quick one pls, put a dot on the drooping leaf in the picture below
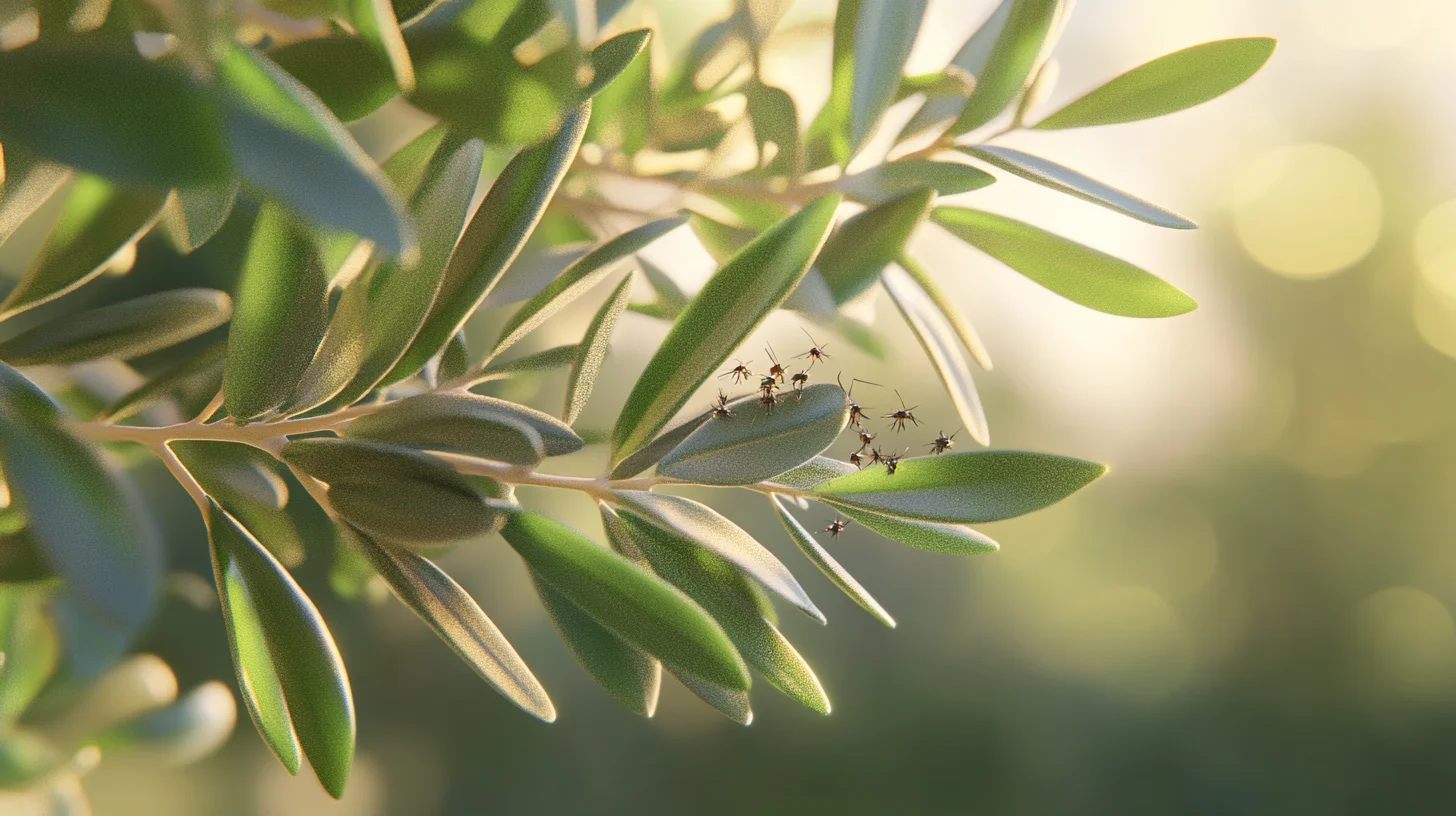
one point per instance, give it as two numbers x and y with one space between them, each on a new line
191 383
99 220
1167 84
831 568
122 330
652 453
287 143
29 181
1011 61
579 277
942 346
111 113
459 621
288 666
82 520
1076 272
756 444
376 24
963 488
719 588
629 676
883 36
460 424
884 182
494 237
592 352
730 306
958 322
629 601
1069 181
279 316
195 214
950 539
703 525
865 244
969 61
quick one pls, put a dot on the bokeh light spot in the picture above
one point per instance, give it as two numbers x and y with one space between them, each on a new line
1307 210
1360 25
1405 645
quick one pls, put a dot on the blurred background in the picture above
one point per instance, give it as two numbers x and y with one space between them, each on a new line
1252 613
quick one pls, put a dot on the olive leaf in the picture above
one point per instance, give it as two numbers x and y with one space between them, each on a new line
346 73
28 641
248 484
969 62
28 183
612 57
942 346
1167 84
1069 181
289 670
826 141
958 322
99 220
122 330
652 453
469 426
1011 61
730 306
883 37
831 568
554 357
703 525
816 470
923 535
775 121
592 352
458 620
757 444
963 488
191 383
866 243
898 178
629 601
454 360
629 676
377 25
194 214
1076 272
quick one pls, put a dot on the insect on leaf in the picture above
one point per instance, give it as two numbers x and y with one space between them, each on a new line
950 539
831 568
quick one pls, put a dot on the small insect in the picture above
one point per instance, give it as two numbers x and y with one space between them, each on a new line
800 380
816 352
942 442
856 413
739 373
865 438
900 417
875 456
856 460
777 370
720 407
769 400
891 462
836 527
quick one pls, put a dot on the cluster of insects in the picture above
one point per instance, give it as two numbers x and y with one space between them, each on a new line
769 385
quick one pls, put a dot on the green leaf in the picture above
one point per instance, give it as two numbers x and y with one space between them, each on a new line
453 423
629 676
1069 181
970 61
827 138
26 759
816 470
832 570
122 330
341 352
731 703
592 352
28 641
883 38
191 383
963 488
1074 271
942 346
111 113
612 57
756 444
865 244
923 535
579 277
347 75
83 521
652 453
714 584
494 237
376 24
629 601
722 241
1010 63
557 437
554 357
249 485
958 323
623 112
280 643
459 621
397 493
884 182
28 183
727 309
400 297
99 220
775 121
194 214
703 525
1167 84
669 295
279 316
454 360
287 143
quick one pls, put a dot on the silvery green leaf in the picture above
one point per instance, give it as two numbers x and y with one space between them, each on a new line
1074 271
731 703
924 535
883 37
1069 181
728 308
122 330
195 214
458 424
962 327
971 61
814 471
717 586
191 383
249 485
609 59
629 601
652 453
341 352
532 271
554 357
704 526
579 277
29 182
288 666
99 220
459 621
557 438
831 568
494 237
855 254
942 346
756 444
1016 54
629 676
592 352
1167 84
963 488
454 360
883 182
